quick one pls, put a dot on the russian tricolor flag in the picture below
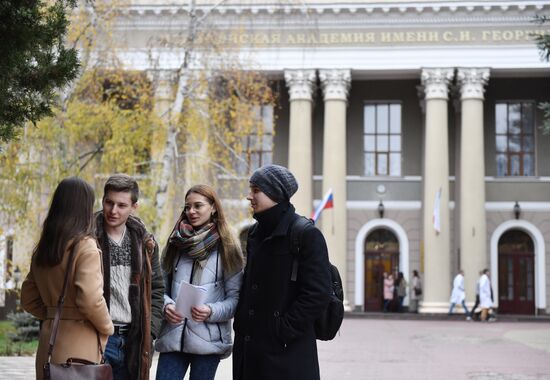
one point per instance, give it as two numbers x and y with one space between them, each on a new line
327 202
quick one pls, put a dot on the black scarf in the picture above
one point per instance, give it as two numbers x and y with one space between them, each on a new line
270 218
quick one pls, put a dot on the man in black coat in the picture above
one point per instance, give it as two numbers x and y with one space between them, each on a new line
274 322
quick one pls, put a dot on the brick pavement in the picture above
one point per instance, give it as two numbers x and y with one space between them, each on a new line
382 349
420 349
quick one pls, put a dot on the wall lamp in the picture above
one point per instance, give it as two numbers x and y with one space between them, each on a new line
517 210
381 209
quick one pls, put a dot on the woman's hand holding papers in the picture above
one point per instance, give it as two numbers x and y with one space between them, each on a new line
172 315
200 313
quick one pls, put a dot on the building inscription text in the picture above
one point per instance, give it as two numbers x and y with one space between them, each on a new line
378 37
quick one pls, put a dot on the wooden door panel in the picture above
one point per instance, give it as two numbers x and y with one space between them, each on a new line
376 263
516 284
373 273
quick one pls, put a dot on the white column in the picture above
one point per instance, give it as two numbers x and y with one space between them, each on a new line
163 82
335 85
437 276
197 169
473 228
301 84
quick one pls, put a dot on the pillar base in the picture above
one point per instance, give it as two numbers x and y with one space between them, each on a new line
434 307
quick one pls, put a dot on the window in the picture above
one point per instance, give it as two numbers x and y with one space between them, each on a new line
515 138
258 145
382 139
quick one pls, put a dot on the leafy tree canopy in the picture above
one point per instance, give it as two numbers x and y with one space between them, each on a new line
34 62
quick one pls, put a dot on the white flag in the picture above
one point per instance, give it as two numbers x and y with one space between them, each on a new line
436 216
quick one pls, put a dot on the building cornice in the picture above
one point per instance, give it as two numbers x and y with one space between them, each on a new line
334 16
434 7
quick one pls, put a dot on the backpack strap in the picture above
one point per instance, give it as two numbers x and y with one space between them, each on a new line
297 229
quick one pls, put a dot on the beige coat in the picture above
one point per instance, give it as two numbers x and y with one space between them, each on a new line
84 309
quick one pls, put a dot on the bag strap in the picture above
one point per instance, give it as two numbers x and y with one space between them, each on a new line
57 318
297 229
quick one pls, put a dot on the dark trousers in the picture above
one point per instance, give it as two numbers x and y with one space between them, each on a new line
475 305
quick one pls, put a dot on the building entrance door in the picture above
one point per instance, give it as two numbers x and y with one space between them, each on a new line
516 273
381 255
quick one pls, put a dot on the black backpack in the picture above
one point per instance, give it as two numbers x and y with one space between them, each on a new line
328 324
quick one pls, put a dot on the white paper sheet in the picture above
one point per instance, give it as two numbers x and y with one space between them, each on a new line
189 296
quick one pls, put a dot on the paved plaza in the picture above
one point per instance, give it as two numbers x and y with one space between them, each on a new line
381 349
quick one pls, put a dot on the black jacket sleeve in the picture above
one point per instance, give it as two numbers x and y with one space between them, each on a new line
157 293
313 287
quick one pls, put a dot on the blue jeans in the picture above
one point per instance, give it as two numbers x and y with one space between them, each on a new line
173 366
463 305
115 355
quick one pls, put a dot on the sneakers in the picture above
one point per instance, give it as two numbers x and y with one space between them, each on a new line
468 318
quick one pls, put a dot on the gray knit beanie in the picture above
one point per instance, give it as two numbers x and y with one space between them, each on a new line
277 182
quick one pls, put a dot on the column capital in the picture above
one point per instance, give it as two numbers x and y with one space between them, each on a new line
472 81
335 84
436 82
300 83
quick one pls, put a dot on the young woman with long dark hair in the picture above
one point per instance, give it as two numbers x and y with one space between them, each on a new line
68 226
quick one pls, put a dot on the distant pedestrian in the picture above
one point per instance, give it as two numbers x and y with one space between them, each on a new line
416 291
476 304
388 290
485 294
401 285
458 295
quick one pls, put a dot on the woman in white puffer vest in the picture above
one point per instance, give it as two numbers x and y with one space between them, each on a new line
201 251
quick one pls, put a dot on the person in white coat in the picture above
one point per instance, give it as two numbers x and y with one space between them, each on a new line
476 304
458 295
485 294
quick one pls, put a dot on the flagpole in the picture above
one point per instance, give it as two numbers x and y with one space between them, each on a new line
332 218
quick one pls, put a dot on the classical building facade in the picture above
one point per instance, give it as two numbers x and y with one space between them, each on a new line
421 116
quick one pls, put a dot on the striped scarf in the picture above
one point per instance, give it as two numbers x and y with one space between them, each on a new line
195 244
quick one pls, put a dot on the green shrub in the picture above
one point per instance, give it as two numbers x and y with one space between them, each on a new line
26 326
11 348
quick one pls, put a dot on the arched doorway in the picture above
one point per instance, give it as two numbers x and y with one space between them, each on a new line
381 255
516 273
